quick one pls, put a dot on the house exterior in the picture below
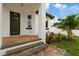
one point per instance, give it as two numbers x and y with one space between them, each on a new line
17 19
49 19
57 30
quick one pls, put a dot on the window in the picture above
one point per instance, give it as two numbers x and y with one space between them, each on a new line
47 25
29 22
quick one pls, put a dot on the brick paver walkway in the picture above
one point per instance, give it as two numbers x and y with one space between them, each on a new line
51 51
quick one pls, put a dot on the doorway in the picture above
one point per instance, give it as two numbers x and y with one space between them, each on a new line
14 23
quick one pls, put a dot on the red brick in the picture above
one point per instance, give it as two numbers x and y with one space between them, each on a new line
18 39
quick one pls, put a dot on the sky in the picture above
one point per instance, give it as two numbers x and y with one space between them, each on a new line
61 10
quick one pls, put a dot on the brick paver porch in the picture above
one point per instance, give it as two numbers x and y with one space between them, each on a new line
16 40
51 51
35 49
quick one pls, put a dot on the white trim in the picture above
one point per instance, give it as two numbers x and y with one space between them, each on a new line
1 7
0 42
3 51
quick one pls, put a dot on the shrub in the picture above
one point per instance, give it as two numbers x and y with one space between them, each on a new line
59 37
49 37
55 37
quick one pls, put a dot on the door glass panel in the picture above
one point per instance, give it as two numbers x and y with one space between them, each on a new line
14 23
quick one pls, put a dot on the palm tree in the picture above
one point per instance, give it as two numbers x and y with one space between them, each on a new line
69 23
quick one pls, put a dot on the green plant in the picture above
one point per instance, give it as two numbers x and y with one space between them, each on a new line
59 37
49 38
72 47
69 23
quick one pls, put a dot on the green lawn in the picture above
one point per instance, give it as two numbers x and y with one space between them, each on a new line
71 46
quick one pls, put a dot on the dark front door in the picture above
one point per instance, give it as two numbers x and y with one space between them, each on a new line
14 23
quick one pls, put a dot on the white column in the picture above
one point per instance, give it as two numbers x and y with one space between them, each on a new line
49 23
0 24
42 19
36 24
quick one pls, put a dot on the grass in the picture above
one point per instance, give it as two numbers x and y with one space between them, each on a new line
71 46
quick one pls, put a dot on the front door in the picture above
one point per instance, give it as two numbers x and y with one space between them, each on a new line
14 23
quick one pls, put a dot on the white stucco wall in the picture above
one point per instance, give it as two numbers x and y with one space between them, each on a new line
0 17
57 30
0 24
27 9
42 23
49 23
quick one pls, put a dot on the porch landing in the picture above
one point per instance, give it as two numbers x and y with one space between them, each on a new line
18 40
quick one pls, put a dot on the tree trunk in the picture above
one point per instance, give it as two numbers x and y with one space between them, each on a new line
69 34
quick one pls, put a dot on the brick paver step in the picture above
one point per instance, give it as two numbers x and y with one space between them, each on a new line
31 51
20 49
